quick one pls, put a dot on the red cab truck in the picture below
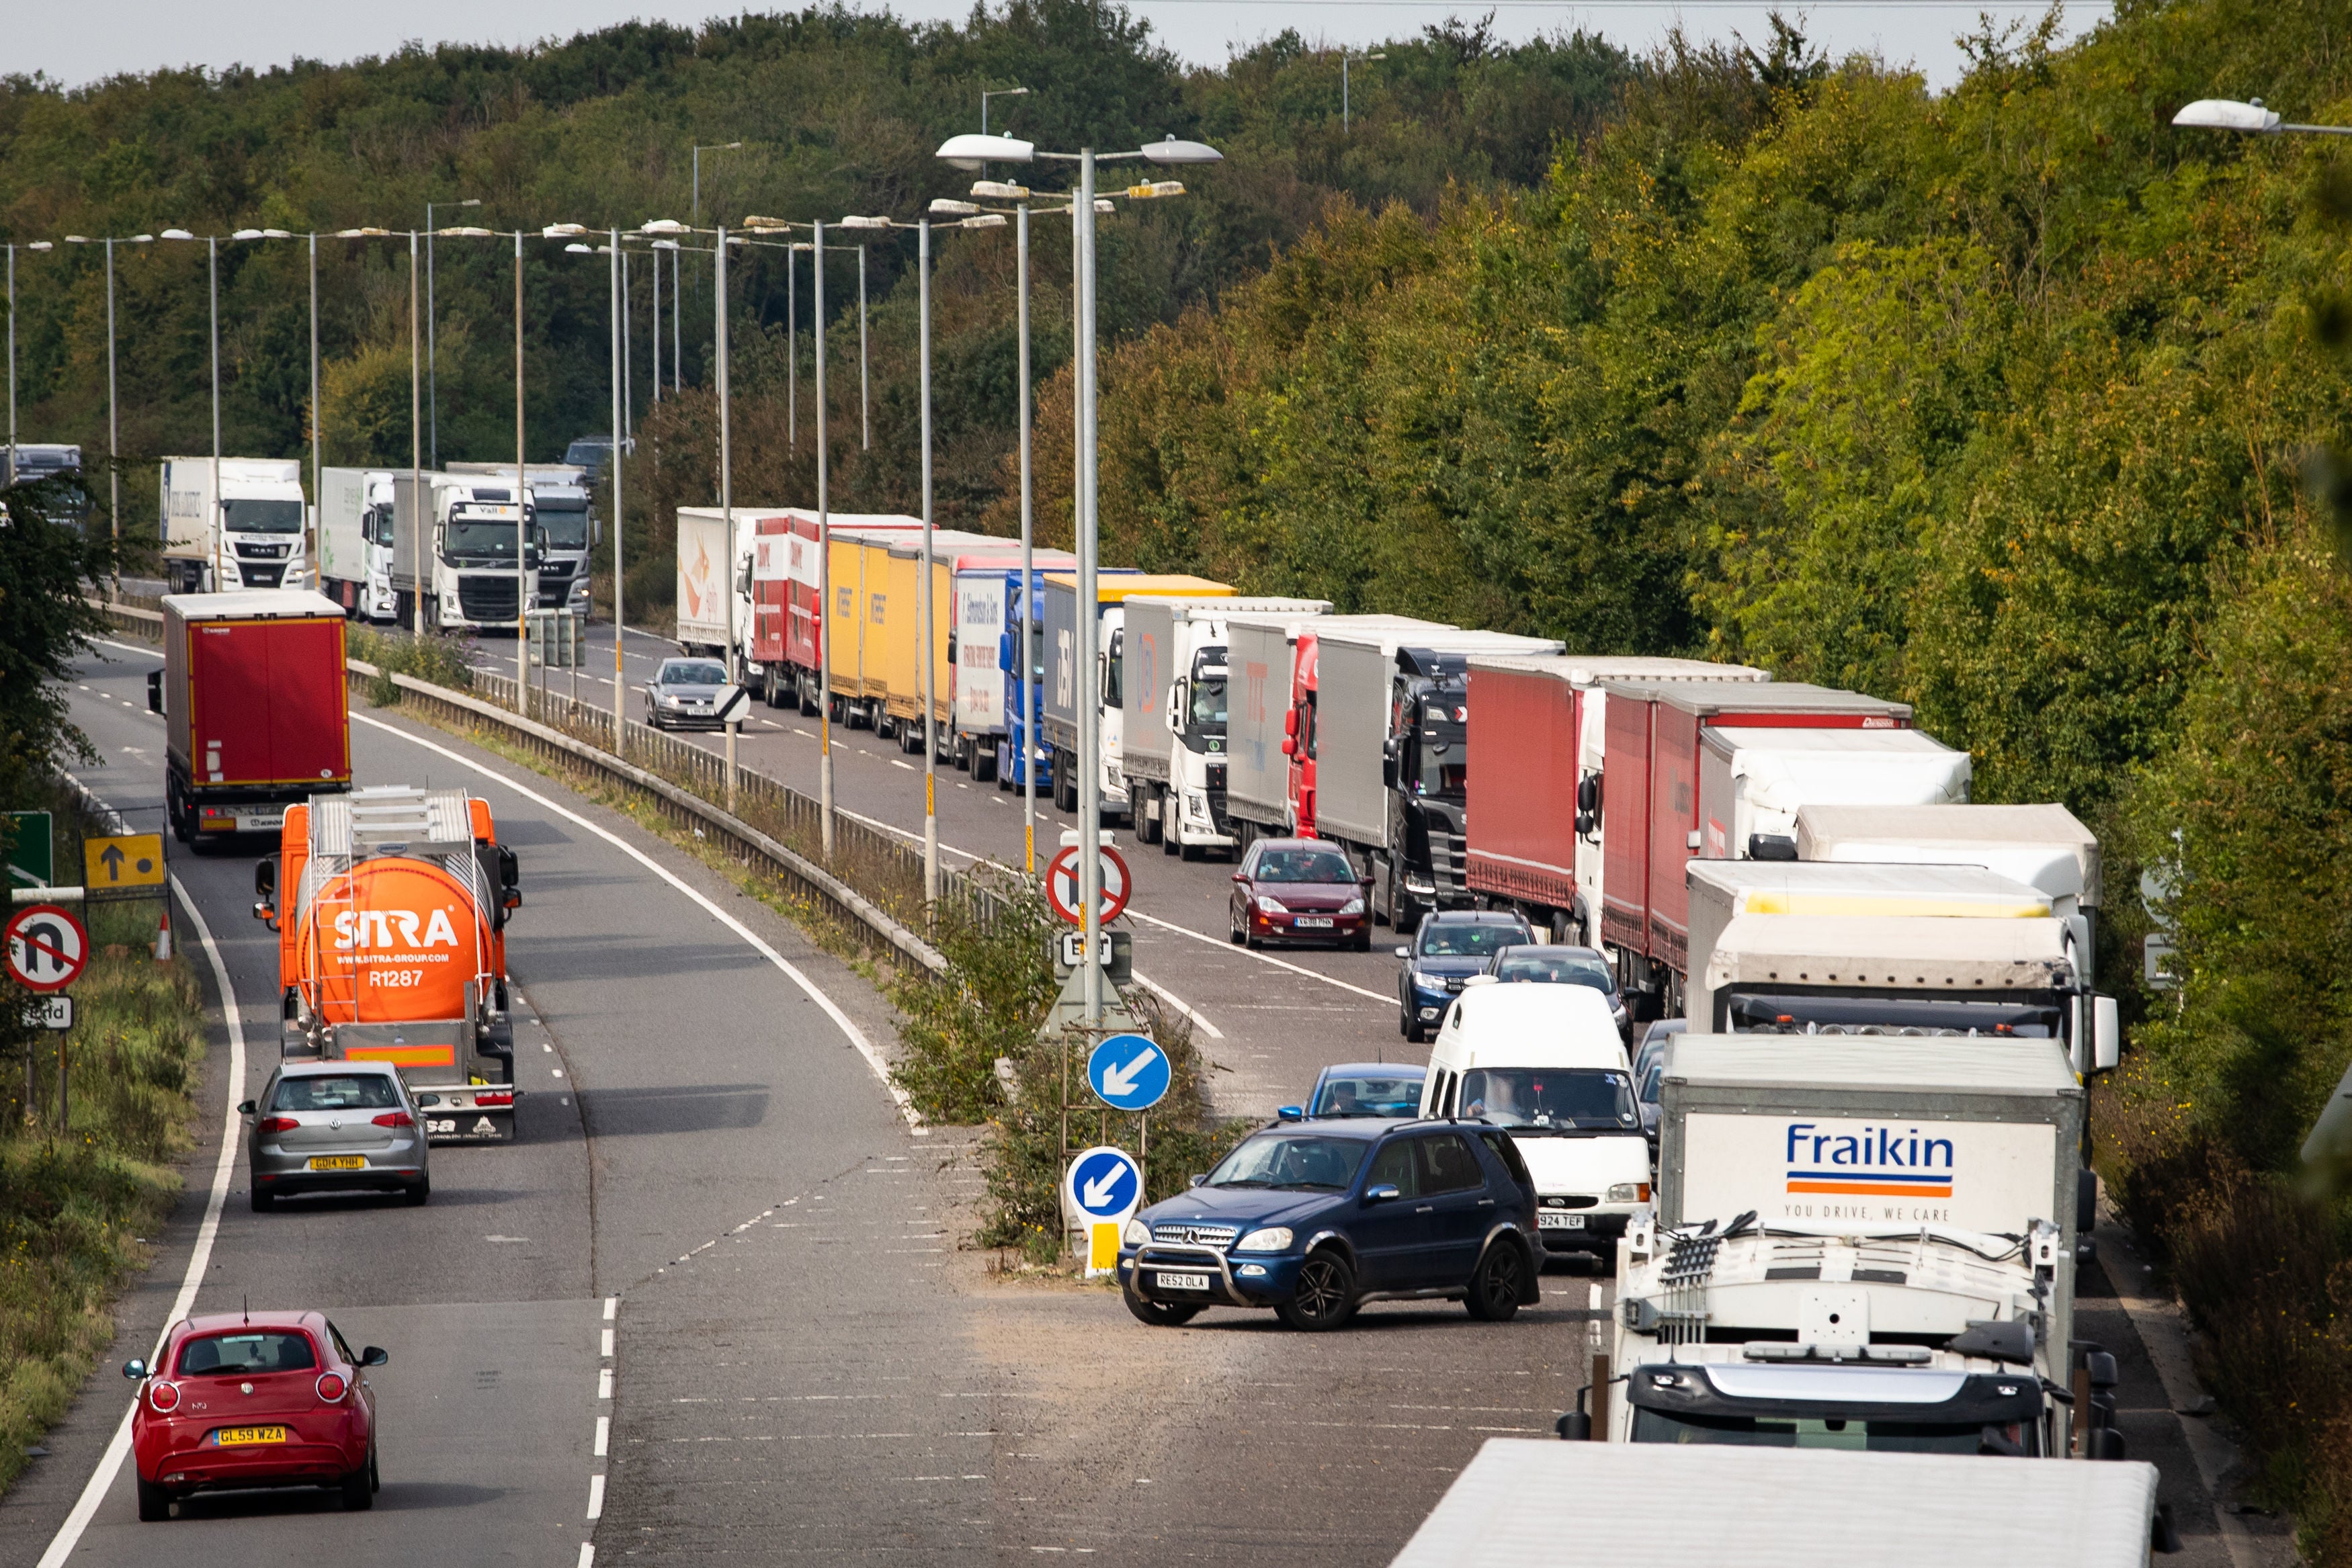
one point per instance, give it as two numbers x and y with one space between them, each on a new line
1538 734
256 714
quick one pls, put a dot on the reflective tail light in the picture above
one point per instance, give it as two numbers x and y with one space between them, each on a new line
331 1386
279 1123
163 1396
494 1097
395 1119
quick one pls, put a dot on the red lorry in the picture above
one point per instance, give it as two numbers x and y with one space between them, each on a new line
256 714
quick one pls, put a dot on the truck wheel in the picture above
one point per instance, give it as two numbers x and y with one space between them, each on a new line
155 1501
1193 852
1325 1296
1148 830
983 763
1495 1283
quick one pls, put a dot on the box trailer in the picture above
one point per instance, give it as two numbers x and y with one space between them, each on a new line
990 601
1536 738
1753 782
2044 845
257 715
1062 685
789 547
355 542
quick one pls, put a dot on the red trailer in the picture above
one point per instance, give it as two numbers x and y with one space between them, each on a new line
257 716
1652 758
787 575
1537 740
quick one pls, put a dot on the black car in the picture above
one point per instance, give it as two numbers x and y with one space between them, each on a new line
1450 946
685 694
1314 1218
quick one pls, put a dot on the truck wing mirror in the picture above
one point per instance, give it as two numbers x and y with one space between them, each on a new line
1587 794
1389 771
155 691
265 876
1290 725
1007 651
1179 698
2106 1034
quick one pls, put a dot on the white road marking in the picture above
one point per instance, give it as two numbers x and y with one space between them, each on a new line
101 1481
1135 914
604 1434
608 1344
1179 1003
907 766
856 1036
612 1307
604 1383
587 1554
595 1498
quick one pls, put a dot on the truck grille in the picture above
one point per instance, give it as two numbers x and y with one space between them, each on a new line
1217 1236
248 551
486 598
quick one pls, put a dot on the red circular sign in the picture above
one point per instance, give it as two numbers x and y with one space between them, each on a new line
1061 885
48 947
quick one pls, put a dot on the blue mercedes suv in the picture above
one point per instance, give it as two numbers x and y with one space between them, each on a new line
1314 1218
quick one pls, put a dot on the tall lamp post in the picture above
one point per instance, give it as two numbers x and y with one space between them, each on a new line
972 152
997 92
113 411
432 315
1344 59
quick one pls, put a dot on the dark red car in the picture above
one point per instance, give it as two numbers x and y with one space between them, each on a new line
259 1399
1299 890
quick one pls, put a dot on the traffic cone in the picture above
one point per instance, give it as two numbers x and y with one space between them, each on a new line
163 937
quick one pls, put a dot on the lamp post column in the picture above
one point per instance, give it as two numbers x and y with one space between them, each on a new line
821 624
113 410
1027 752
311 538
522 511
419 566
1090 683
864 419
726 494
620 382
220 512
792 345
923 592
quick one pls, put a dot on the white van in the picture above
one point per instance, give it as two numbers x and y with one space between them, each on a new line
1547 1063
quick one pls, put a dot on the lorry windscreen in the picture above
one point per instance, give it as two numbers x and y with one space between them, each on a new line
1785 1013
1551 1099
1208 714
482 536
1816 1432
1110 687
1444 758
379 525
251 517
563 525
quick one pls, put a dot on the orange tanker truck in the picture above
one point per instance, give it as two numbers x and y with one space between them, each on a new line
390 906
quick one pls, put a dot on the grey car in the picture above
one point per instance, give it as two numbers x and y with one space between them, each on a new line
335 1126
684 694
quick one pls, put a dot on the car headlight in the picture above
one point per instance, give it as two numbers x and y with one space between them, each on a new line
1353 906
1268 904
673 702
1273 1238
1629 1192
1138 1234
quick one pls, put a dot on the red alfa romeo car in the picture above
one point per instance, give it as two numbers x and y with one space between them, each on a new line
258 1399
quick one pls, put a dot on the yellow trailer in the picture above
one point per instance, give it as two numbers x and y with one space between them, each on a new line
856 554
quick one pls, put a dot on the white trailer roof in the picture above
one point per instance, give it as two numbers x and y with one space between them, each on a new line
1445 638
1588 669
2022 840
1783 1508
1988 1064
1879 892
253 604
1928 953
1787 769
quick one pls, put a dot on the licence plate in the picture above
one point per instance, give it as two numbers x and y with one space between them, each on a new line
1313 923
1182 1281
232 1437
339 1162
1546 1220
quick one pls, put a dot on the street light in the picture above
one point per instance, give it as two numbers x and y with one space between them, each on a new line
971 151
432 383
1343 85
997 92
2227 114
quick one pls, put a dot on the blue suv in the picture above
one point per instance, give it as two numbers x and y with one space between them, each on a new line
1314 1218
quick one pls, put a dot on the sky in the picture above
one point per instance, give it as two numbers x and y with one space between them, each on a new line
78 44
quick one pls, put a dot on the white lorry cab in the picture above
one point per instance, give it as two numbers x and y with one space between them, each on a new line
233 522
1547 1063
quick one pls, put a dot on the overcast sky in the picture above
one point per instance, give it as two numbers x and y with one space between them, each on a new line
76 44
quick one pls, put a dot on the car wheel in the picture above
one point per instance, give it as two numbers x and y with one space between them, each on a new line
155 1501
419 1195
263 1202
1404 1022
1414 1032
1158 1314
375 1478
358 1496
1362 944
1233 929
1496 1284
1325 1296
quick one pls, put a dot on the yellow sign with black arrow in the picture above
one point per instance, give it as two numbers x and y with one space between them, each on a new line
131 860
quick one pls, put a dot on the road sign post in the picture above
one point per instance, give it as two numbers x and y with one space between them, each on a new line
1101 1191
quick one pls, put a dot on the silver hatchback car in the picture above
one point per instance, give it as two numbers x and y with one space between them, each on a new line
322 1126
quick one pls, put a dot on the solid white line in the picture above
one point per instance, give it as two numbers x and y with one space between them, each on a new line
856 1036
1134 913
1179 1003
101 1481
595 1497
128 648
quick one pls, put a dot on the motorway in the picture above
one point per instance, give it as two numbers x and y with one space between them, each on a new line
711 1304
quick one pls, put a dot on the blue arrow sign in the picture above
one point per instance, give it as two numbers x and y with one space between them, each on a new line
1128 1071
1104 1184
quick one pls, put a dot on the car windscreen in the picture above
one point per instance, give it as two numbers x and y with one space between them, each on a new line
1304 865
1817 1432
1785 1013
1551 1099
1555 968
563 525
1297 1160
337 1091
1367 1095
246 1352
692 675
1447 940
252 517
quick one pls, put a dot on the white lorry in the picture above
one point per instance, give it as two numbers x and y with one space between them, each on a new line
247 532
1172 758
1776 1507
2044 845
355 512
568 530
709 568
458 545
1859 1243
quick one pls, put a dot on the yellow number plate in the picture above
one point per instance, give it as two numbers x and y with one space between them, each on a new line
338 1163
229 1436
